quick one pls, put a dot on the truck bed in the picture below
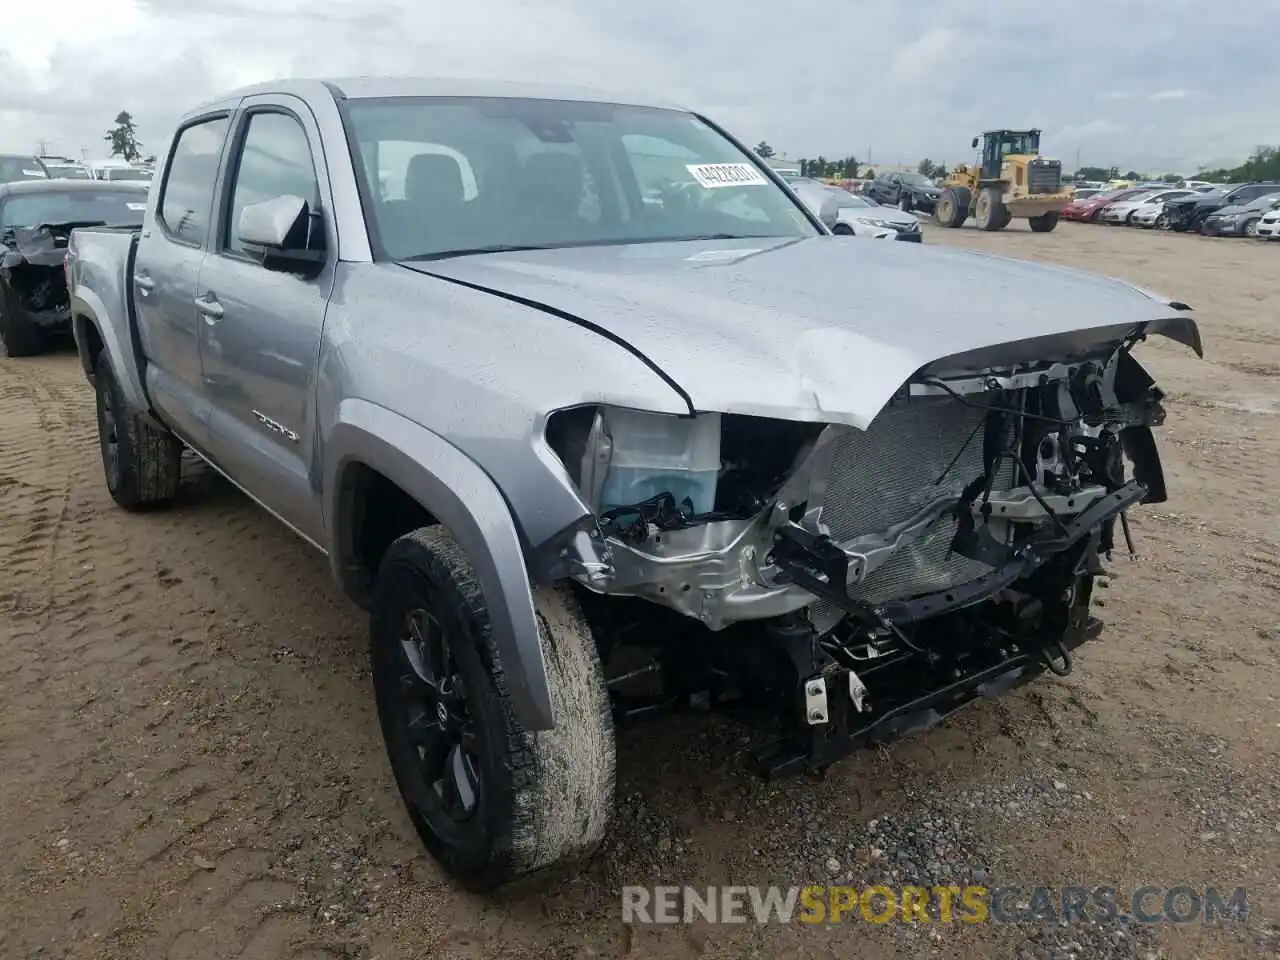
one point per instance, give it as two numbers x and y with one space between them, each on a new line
100 285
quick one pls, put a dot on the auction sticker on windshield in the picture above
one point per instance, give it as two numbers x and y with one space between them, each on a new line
712 175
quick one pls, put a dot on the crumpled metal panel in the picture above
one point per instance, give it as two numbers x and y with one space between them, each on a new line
881 477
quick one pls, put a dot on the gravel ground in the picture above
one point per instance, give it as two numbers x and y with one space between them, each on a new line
193 767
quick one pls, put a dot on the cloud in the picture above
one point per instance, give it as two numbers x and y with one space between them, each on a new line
905 80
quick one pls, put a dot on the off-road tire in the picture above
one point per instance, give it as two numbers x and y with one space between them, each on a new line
147 466
952 207
990 213
21 339
545 797
1044 223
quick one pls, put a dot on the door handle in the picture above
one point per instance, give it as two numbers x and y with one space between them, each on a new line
211 309
143 282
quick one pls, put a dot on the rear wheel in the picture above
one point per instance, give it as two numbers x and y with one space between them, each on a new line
952 207
1162 222
1045 222
141 462
21 339
990 213
491 801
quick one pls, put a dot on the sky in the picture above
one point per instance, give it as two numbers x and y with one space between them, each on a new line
1167 86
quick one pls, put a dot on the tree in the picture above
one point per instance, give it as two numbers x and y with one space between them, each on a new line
123 138
941 172
1263 165
1134 175
927 168
764 150
869 173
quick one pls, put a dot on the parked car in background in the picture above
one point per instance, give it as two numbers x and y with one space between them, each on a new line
1084 193
1269 226
67 170
1189 213
1126 211
131 174
845 214
36 218
906 191
15 167
1087 210
1241 219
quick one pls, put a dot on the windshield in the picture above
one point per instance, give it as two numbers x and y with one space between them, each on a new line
21 168
67 171
452 175
917 180
115 207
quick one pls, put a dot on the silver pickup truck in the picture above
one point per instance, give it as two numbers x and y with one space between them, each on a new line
597 420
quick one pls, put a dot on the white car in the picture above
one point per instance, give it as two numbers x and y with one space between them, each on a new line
1269 226
1124 211
1146 213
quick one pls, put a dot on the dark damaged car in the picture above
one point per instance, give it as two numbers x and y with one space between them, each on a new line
36 219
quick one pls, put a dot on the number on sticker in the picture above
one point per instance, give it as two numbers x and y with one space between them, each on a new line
713 175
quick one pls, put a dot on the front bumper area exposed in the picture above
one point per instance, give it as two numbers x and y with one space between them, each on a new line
822 567
911 695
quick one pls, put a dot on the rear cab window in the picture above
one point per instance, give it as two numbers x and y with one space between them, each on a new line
186 198
112 206
14 169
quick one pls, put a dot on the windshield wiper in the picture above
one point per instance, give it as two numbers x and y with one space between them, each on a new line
471 251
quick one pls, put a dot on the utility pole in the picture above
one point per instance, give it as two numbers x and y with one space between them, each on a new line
44 148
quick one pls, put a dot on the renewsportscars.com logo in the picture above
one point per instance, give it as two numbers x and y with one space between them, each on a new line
940 904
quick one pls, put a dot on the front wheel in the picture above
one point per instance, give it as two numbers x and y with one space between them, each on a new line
952 207
1251 228
491 801
1163 222
21 339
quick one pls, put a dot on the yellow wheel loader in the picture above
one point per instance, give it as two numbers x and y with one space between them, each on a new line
1010 180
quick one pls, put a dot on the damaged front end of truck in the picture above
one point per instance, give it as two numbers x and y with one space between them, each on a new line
859 584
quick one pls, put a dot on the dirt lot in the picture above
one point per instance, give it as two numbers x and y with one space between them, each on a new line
192 766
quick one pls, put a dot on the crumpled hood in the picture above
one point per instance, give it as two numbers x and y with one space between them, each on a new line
824 328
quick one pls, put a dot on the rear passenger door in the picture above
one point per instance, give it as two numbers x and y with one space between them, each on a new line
167 270
260 329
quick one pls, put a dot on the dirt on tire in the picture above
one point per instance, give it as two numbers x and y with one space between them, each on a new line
192 766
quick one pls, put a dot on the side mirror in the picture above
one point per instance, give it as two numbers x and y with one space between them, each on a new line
282 227
975 143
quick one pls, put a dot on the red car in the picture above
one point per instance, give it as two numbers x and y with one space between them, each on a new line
1087 210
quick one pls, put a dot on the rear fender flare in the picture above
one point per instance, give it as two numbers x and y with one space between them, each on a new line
454 490
87 310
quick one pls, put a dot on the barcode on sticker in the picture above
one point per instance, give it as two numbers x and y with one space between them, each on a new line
712 175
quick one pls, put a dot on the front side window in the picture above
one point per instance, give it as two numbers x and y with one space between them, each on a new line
112 206
275 160
188 187
455 174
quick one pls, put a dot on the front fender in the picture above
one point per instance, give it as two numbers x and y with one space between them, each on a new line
451 487
88 310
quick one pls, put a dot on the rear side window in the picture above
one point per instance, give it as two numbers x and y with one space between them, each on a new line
187 197
113 206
